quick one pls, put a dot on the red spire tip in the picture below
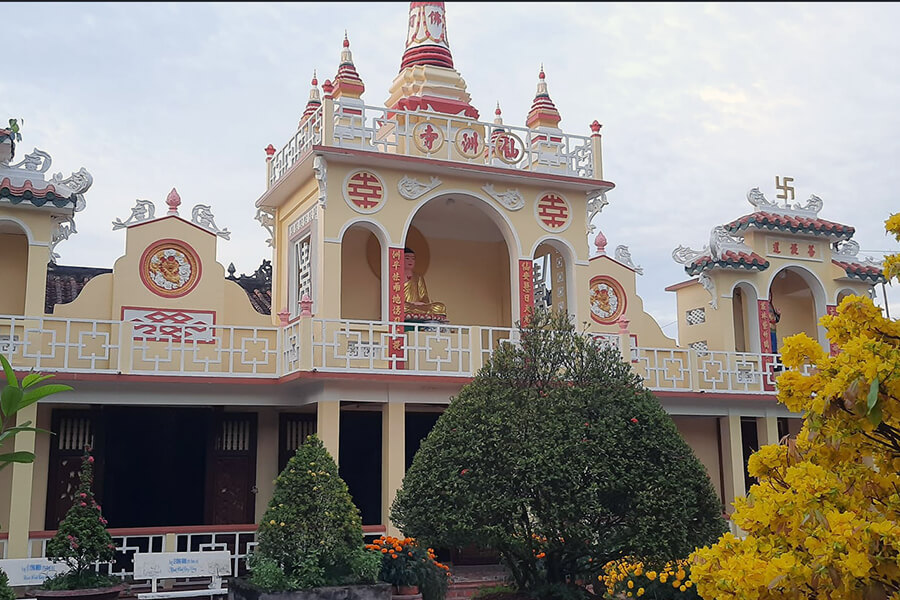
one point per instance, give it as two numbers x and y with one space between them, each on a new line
270 150
595 126
346 41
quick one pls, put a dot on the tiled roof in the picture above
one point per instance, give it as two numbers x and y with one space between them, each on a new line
65 283
861 271
729 260
793 224
257 286
37 196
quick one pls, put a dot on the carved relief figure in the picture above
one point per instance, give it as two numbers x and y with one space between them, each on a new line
419 306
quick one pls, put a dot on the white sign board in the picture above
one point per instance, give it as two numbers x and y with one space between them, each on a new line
164 565
31 571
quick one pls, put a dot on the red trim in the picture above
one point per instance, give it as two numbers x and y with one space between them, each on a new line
143 266
119 531
427 54
441 105
389 377
209 312
185 221
29 187
441 164
767 396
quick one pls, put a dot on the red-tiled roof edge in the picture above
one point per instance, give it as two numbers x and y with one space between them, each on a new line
767 220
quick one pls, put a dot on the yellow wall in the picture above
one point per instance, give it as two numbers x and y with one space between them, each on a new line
13 272
702 436
793 299
362 288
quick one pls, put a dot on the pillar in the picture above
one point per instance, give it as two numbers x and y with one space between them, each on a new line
393 459
22 480
732 459
328 425
267 440
767 430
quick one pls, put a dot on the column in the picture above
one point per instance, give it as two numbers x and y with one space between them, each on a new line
767 430
393 459
732 459
267 441
328 425
22 480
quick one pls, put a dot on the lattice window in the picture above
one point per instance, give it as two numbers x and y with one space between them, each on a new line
234 435
75 433
303 252
701 347
294 430
696 316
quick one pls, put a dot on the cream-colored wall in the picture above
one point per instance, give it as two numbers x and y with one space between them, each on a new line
104 296
266 458
715 331
701 434
642 324
5 490
13 273
793 299
41 468
301 201
362 289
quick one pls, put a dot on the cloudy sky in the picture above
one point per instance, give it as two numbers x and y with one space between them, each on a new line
699 102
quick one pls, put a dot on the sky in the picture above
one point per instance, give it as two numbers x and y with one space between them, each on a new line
699 104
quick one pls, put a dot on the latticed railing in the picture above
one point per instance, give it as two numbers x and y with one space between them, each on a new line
398 132
54 344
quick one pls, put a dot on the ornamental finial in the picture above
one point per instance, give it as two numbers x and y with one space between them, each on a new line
173 200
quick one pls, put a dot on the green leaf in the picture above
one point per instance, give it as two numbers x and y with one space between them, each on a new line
873 396
875 416
34 394
24 427
10 399
33 379
10 375
19 457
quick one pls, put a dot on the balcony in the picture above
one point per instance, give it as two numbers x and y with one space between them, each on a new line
65 345
346 124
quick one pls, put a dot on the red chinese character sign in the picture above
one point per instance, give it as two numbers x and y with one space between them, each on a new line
552 212
526 290
470 142
608 300
831 309
364 192
508 147
396 304
170 268
793 249
428 137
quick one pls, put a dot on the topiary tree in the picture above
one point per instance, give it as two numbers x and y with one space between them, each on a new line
823 521
311 533
82 538
558 458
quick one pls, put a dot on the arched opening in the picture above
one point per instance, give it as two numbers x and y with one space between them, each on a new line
13 267
552 276
843 294
463 255
797 301
361 258
745 318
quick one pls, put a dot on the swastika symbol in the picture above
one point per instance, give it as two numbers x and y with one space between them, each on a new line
781 183
553 211
365 190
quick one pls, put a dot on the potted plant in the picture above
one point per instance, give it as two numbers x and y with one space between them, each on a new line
310 539
81 541
410 568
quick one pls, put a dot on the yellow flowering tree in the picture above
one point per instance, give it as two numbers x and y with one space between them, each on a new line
822 521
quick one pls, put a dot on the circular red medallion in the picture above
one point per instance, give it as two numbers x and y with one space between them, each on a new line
364 191
607 299
552 212
170 268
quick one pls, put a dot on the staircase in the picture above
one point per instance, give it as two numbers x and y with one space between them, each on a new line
468 579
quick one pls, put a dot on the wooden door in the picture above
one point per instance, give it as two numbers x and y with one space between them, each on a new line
72 431
231 469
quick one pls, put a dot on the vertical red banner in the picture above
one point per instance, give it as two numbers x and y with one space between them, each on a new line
526 290
396 303
831 309
765 345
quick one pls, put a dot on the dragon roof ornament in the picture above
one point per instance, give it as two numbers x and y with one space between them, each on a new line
762 204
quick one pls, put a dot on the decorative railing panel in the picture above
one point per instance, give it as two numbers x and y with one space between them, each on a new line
402 132
56 344
376 347
688 370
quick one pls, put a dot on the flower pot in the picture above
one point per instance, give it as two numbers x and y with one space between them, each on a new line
406 590
105 593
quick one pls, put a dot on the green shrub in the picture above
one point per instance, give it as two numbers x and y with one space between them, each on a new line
490 590
556 457
82 538
652 581
6 591
311 530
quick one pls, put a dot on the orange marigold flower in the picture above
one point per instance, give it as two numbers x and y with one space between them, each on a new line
393 555
384 550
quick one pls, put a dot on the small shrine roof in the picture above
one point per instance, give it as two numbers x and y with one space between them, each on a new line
861 271
730 259
64 283
791 223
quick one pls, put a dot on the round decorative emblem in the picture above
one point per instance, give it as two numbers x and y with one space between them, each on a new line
469 142
607 300
508 147
428 137
170 268
552 212
364 192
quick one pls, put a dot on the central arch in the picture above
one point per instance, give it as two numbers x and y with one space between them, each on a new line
798 299
470 250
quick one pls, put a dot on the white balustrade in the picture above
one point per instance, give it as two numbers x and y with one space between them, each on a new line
390 131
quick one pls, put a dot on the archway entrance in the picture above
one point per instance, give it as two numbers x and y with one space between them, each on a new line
462 253
795 297
361 274
551 278
745 319
13 268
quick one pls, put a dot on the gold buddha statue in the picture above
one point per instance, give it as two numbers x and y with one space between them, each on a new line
419 307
